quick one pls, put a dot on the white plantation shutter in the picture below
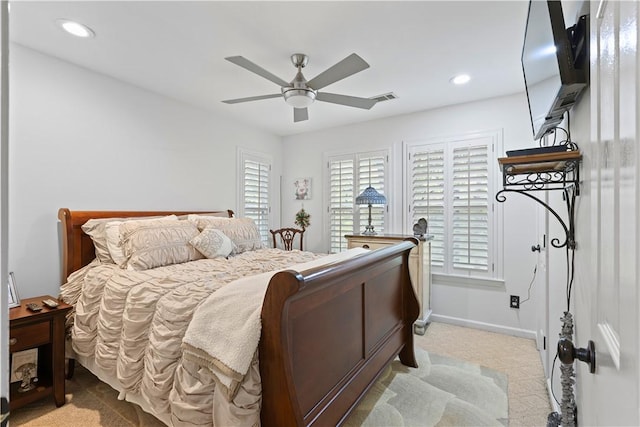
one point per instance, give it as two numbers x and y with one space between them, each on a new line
341 207
349 175
470 208
371 172
427 183
255 192
450 184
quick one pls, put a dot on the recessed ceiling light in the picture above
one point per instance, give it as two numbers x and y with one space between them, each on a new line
460 79
75 28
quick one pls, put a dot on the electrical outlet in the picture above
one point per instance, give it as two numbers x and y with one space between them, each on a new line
515 301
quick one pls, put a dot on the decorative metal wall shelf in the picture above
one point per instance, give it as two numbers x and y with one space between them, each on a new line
544 172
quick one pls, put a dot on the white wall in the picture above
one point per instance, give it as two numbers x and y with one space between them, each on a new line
475 306
85 141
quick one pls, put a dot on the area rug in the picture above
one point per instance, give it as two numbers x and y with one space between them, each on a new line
441 392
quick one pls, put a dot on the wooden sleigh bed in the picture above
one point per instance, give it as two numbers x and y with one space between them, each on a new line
361 309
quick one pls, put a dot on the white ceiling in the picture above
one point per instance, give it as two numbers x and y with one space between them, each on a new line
177 48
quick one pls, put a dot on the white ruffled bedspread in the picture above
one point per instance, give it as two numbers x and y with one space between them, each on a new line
131 325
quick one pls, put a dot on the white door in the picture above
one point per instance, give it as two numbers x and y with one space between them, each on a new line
606 303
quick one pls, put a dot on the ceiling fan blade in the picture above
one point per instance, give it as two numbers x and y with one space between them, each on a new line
349 101
350 65
252 98
254 68
300 114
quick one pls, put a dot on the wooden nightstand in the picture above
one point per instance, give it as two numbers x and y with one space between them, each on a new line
419 267
43 330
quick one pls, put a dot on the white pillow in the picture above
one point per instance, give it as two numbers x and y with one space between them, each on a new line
213 243
112 231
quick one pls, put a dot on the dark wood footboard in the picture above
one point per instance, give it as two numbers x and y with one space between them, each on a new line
327 334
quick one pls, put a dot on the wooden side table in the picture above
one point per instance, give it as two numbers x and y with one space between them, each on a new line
43 330
419 267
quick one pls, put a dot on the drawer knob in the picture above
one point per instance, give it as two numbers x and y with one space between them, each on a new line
365 246
13 341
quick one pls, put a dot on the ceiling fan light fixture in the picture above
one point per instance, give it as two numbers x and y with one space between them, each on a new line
299 98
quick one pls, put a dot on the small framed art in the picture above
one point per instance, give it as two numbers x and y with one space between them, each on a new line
303 188
14 299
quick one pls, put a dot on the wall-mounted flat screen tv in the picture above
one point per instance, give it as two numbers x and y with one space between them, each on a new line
554 64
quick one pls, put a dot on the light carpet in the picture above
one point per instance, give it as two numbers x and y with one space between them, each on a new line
441 392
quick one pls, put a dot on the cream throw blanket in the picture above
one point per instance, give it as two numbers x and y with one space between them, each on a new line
224 333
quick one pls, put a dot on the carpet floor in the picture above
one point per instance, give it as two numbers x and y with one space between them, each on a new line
450 388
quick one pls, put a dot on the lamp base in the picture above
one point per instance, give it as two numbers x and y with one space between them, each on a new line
368 231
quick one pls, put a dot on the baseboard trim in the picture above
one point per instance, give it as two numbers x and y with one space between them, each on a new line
554 405
507 330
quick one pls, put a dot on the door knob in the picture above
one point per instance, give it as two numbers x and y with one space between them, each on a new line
535 248
567 353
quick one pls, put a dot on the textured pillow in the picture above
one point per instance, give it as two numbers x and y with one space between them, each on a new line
156 243
243 232
112 231
223 214
96 229
204 221
112 235
213 243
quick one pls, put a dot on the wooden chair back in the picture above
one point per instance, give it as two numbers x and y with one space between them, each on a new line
287 236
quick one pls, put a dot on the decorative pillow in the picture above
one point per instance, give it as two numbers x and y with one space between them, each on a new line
222 214
204 221
213 243
112 235
112 231
96 229
156 243
243 232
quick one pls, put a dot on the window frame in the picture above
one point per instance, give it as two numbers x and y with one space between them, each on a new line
356 157
258 157
447 274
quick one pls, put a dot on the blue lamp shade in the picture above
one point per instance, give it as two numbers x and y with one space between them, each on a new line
370 197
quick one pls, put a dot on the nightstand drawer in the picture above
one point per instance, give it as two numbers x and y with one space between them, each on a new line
368 244
29 336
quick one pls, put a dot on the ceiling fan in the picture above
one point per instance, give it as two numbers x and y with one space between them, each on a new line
300 93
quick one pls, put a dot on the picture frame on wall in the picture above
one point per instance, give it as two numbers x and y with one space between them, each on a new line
14 299
302 188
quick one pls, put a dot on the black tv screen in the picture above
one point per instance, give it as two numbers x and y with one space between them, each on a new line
553 78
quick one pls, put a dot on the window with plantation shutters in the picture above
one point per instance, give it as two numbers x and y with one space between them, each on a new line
371 173
348 176
470 208
255 191
341 202
450 183
427 183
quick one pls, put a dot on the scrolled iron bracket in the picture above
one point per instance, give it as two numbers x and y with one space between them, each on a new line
569 196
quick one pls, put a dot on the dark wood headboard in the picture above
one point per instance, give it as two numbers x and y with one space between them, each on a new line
77 247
